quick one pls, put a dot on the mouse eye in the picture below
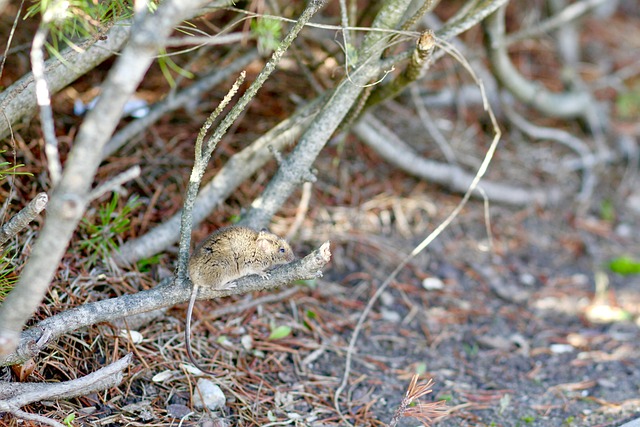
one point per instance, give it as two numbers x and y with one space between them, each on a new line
282 250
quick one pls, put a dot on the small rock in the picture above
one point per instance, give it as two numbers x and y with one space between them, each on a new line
527 279
178 411
390 315
561 348
432 284
208 394
142 410
387 299
632 423
247 342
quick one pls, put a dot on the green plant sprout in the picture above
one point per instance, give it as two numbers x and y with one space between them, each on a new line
68 420
167 64
101 239
6 170
625 265
268 32
279 332
78 19
7 277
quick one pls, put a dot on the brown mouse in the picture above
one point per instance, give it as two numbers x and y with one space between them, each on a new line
228 254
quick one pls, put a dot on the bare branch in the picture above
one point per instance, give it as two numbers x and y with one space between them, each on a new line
396 151
212 40
175 101
42 91
19 99
15 395
566 105
166 294
20 394
202 157
568 14
20 220
115 182
31 417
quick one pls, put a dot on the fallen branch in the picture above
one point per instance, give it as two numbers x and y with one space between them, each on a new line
15 395
397 152
569 104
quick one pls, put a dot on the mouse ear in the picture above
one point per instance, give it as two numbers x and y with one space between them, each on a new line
263 241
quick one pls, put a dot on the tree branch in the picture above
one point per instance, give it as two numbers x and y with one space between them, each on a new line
166 294
15 395
19 99
566 105
394 150
20 220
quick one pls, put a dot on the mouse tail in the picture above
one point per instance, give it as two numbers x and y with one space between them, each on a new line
187 332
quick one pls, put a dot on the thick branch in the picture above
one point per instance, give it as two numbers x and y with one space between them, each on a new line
167 294
19 99
565 105
20 394
399 153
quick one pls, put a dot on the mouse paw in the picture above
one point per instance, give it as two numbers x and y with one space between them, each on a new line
230 285
263 275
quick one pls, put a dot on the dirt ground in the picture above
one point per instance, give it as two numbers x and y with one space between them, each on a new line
507 329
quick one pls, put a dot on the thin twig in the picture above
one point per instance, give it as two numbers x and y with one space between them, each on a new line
20 414
10 38
568 14
115 182
42 91
23 218
202 156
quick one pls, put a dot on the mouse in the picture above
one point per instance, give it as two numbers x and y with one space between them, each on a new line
228 254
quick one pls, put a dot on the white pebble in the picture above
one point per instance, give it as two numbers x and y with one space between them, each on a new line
208 394
432 284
